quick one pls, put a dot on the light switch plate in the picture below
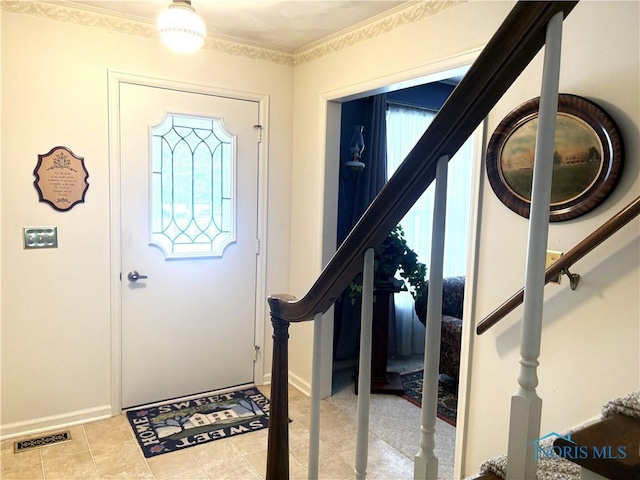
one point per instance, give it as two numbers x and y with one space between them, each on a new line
40 237
553 257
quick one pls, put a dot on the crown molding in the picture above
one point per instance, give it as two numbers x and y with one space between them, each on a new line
379 25
62 13
86 18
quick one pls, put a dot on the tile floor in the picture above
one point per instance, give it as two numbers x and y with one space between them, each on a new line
107 450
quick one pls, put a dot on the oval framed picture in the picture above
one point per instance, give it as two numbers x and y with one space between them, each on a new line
587 161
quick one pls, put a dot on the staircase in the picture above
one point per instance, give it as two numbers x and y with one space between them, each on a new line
607 448
528 27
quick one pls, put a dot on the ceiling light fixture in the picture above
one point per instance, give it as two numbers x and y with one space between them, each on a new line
180 28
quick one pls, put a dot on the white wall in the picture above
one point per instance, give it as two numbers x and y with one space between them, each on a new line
590 347
56 303
591 337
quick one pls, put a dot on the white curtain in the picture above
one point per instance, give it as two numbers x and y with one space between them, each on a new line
405 126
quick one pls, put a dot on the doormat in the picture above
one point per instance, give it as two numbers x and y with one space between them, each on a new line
24 445
185 423
447 396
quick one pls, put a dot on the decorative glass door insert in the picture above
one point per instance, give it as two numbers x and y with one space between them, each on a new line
192 186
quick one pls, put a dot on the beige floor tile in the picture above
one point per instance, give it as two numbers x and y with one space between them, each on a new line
6 447
296 396
24 459
31 471
126 471
297 470
388 452
107 432
78 444
117 454
171 464
258 461
390 471
78 466
107 448
339 439
196 474
332 418
377 451
301 454
239 469
383 463
297 431
300 413
299 444
251 442
216 453
333 467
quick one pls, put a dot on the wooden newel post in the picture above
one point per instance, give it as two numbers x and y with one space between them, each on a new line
278 446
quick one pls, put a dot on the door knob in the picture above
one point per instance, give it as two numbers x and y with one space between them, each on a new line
134 276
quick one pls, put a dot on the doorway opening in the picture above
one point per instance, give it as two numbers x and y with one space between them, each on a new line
405 341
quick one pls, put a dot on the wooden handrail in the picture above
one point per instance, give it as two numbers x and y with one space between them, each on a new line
590 242
510 50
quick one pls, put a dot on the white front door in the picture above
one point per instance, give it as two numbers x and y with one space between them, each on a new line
189 165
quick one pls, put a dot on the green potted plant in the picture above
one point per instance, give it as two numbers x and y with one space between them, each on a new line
394 256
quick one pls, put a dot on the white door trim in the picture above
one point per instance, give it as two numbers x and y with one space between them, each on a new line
115 78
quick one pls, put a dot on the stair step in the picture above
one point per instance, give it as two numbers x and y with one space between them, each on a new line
604 438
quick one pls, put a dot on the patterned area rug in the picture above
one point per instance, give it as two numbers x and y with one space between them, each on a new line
447 396
186 423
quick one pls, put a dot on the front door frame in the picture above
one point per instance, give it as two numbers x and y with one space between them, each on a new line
115 78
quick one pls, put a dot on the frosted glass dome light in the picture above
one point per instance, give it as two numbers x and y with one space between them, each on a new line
180 28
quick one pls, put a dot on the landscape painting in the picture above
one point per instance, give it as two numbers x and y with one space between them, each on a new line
577 159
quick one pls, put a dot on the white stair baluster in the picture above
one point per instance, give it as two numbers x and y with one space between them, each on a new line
426 463
526 406
314 428
364 368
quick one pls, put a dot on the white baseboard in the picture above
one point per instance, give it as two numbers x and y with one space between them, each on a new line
300 384
54 422
294 381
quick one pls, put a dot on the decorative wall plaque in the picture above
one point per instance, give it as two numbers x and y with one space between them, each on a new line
61 178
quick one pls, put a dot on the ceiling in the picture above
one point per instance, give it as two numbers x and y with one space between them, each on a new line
286 25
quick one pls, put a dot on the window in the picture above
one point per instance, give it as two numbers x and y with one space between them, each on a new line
192 186
405 126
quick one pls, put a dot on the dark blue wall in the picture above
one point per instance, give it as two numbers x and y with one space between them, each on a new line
430 96
354 113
